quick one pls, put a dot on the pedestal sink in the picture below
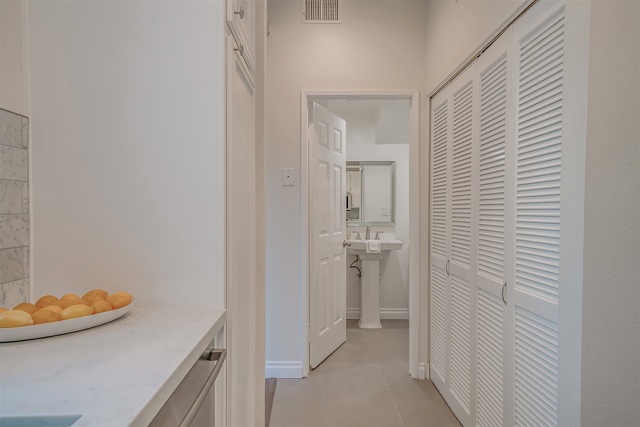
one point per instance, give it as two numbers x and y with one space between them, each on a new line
370 281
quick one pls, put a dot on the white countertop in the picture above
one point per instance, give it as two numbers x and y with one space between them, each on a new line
117 374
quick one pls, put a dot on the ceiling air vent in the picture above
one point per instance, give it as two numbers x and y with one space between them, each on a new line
320 11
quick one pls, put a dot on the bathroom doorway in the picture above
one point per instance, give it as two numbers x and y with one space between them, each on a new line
383 139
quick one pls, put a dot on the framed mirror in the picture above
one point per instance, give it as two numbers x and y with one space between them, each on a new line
370 197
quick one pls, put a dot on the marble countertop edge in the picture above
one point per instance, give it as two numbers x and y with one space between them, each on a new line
118 374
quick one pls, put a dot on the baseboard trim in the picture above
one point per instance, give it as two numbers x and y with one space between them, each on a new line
423 371
385 313
291 369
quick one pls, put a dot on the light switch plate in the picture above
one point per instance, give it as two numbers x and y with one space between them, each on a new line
287 177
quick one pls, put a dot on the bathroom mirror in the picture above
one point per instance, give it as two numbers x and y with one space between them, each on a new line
370 197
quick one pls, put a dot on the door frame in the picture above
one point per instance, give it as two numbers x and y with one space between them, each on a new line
416 369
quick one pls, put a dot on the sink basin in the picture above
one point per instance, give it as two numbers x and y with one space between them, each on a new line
385 245
40 421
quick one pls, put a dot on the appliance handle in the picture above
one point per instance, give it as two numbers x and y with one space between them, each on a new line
218 356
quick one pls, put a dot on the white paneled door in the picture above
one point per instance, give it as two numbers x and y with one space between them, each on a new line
327 265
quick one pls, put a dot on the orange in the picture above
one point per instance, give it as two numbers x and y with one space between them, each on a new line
118 301
78 310
15 318
26 307
2 309
102 293
126 295
46 300
70 297
100 306
45 316
92 297
55 308
64 303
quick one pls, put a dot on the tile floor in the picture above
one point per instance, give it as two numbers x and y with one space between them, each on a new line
363 383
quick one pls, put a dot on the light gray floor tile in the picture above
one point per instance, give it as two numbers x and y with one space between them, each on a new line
394 324
352 324
349 376
365 382
351 353
371 408
356 337
299 408
384 337
396 375
391 354
423 409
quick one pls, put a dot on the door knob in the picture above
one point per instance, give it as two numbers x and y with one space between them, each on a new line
241 12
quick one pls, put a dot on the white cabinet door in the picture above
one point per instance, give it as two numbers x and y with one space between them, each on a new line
494 229
241 22
534 288
241 239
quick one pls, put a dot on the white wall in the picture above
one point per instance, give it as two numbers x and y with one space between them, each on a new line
12 93
127 109
362 129
362 53
611 302
455 29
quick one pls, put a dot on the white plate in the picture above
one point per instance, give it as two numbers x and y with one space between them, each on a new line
63 326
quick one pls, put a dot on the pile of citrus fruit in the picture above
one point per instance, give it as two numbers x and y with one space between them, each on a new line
70 306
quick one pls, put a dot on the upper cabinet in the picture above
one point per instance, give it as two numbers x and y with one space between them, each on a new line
241 21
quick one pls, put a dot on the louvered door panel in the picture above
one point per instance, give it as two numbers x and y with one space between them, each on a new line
460 384
494 224
462 292
539 43
439 181
438 322
491 177
536 370
461 176
490 360
440 238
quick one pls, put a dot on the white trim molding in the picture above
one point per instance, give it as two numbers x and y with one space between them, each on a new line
423 371
413 312
287 369
385 313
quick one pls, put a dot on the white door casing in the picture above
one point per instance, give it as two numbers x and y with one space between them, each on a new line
327 219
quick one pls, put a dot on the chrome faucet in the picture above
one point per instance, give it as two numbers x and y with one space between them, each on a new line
368 233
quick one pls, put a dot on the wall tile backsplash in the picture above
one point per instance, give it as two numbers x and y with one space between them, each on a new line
14 209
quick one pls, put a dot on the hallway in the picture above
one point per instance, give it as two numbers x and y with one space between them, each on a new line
363 383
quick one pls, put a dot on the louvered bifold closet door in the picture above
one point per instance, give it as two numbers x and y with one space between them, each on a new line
463 102
538 76
494 231
440 239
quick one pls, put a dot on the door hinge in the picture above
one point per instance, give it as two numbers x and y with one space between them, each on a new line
309 336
